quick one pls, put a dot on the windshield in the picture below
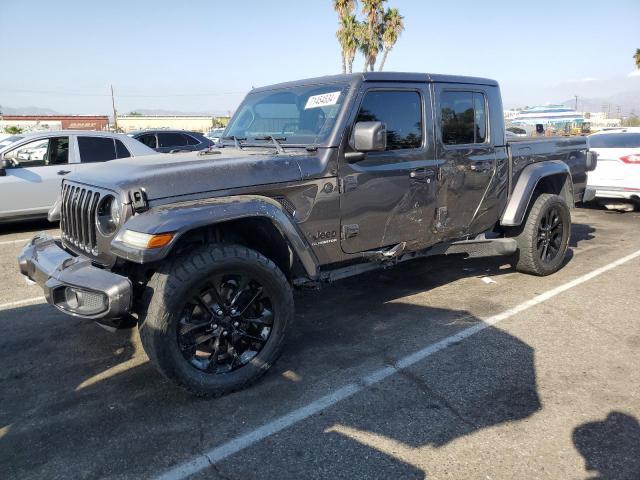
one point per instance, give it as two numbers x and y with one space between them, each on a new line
615 140
9 140
296 115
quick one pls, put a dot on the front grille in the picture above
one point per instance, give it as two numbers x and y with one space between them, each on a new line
78 217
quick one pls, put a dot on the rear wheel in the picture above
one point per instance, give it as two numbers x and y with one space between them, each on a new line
216 319
544 237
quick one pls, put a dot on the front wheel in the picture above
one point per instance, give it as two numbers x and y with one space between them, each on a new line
216 319
544 237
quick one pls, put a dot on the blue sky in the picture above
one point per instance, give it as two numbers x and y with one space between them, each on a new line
203 55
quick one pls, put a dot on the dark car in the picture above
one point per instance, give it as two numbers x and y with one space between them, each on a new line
170 141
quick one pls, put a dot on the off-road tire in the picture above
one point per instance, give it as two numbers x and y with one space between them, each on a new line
528 259
164 301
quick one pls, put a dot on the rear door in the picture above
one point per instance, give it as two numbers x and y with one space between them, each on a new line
34 173
388 197
467 154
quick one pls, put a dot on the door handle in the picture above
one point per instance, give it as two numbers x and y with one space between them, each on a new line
481 167
421 173
63 172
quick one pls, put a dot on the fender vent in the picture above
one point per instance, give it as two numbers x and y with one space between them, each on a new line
289 207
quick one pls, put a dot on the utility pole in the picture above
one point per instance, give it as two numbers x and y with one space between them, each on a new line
115 114
576 97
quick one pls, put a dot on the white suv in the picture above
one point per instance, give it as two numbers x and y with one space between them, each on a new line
32 168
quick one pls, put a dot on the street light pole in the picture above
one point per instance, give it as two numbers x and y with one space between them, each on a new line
115 114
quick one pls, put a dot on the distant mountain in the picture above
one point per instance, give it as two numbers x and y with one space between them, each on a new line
28 111
628 102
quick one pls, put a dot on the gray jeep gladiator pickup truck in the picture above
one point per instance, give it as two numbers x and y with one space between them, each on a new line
313 181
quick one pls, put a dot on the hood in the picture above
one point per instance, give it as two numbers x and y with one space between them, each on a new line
169 175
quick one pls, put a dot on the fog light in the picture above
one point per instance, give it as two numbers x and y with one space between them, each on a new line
84 302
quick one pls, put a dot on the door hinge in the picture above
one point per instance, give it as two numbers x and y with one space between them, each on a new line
348 183
350 230
139 200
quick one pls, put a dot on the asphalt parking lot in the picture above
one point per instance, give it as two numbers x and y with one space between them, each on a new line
427 370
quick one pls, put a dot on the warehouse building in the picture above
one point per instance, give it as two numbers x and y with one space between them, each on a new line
38 123
195 123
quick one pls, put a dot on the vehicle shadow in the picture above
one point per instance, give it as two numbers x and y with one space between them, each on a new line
581 232
611 447
75 396
27 227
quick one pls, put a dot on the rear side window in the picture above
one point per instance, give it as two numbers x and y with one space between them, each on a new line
171 140
400 111
463 118
615 140
191 140
121 150
96 149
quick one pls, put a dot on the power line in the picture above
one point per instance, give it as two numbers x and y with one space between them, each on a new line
127 95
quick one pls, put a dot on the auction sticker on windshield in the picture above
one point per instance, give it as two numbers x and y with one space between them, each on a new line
322 100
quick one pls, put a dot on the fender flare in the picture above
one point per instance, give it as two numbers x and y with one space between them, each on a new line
180 218
527 181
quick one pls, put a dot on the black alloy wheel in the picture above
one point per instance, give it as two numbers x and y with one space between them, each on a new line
215 319
543 237
225 324
550 233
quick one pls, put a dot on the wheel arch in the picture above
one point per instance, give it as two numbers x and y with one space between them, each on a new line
544 177
257 222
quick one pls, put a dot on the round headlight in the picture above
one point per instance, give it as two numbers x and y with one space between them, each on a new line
109 215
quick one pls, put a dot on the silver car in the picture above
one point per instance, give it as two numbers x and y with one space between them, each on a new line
32 168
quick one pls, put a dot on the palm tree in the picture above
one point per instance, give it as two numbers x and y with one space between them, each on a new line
371 35
393 28
636 57
349 38
343 8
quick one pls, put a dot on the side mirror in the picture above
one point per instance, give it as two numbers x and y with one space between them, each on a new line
3 167
370 137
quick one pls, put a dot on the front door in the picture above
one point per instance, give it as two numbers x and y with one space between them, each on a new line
467 156
33 175
389 197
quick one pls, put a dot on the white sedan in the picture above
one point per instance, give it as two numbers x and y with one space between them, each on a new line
617 175
32 168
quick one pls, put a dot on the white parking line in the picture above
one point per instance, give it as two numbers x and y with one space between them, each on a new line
248 439
7 306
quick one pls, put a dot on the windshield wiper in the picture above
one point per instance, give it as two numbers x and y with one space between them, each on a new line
275 141
236 141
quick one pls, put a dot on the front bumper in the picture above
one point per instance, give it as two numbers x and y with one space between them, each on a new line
44 261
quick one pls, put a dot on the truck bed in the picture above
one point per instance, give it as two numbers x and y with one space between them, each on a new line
570 150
